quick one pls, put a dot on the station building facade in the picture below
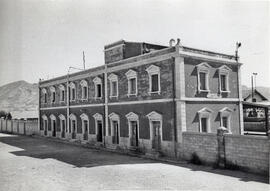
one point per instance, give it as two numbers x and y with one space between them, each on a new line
143 98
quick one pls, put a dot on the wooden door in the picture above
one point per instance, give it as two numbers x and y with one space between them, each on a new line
85 136
63 129
156 135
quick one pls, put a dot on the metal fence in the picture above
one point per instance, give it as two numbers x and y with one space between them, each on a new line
23 127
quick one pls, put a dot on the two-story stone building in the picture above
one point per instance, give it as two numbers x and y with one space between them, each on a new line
144 97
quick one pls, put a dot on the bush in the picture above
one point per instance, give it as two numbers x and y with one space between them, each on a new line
195 159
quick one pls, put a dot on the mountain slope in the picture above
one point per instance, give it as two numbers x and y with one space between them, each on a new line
19 96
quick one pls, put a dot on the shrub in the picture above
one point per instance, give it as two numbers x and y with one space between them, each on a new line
195 159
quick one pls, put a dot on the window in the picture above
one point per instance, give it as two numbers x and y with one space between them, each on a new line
203 70
154 79
72 91
133 128
225 117
62 93
204 125
45 123
84 86
155 123
62 123
45 98
224 79
44 92
73 125
132 82
114 130
204 120
99 126
203 81
113 85
52 89
85 123
98 87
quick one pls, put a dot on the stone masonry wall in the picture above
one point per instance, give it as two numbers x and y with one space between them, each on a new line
205 145
248 152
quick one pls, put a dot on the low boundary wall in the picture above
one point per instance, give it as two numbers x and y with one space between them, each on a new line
22 127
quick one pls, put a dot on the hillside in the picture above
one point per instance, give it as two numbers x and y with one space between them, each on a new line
19 97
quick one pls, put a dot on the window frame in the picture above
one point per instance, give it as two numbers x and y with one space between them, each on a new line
226 112
224 70
113 78
97 81
84 87
84 117
205 113
98 117
62 89
114 117
72 87
53 94
203 68
155 116
153 70
45 93
132 117
73 117
131 74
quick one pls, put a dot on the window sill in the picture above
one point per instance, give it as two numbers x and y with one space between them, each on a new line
84 99
129 95
98 98
113 96
157 92
203 91
225 91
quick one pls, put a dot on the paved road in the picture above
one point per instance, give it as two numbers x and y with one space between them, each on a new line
40 164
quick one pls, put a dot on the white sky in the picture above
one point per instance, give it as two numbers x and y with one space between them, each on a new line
41 39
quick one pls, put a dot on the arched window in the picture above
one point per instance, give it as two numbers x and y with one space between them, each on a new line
85 125
114 131
53 125
98 87
84 89
72 91
62 92
73 125
44 92
63 125
113 85
99 126
53 94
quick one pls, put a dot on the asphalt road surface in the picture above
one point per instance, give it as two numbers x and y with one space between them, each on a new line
39 164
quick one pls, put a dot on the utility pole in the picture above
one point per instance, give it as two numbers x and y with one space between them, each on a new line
83 61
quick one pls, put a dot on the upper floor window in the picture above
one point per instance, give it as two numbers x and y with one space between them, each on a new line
224 78
62 92
154 79
72 91
52 89
44 91
204 120
132 82
113 85
84 86
98 87
225 118
203 70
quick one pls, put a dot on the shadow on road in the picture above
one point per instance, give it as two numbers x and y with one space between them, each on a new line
77 156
